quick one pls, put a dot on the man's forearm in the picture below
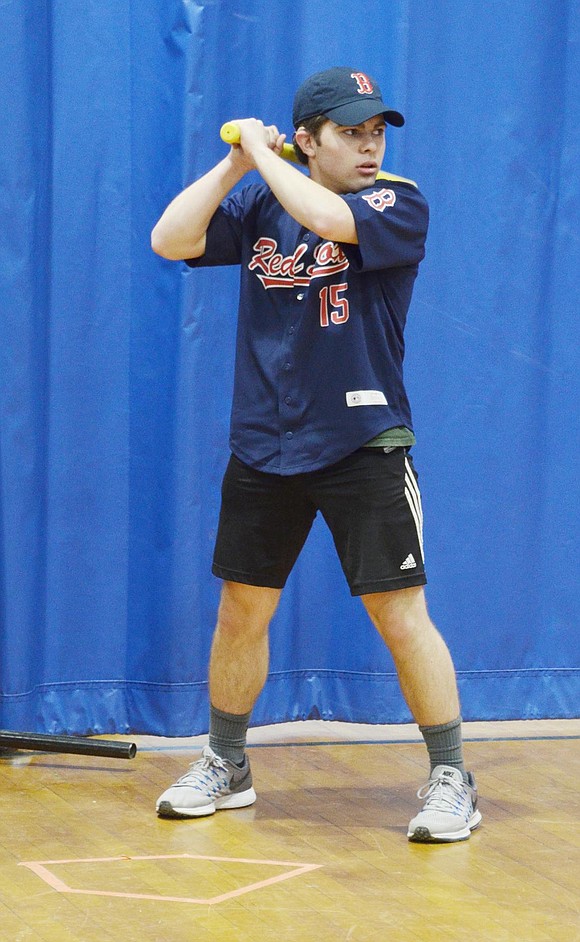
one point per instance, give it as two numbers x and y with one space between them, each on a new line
180 232
311 204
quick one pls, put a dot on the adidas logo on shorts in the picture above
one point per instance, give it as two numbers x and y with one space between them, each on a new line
409 562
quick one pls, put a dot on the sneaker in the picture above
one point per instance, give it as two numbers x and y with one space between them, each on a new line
210 784
450 810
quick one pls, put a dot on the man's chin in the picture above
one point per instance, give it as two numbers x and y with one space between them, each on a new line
361 183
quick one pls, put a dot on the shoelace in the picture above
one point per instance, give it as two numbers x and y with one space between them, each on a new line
446 793
207 772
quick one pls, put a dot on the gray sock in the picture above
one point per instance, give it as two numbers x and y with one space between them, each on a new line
227 734
444 745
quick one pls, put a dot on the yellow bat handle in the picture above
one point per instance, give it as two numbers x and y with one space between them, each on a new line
230 133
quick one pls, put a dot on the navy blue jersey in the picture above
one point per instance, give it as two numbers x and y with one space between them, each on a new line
320 347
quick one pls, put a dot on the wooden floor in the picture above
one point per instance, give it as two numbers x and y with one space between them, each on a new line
322 855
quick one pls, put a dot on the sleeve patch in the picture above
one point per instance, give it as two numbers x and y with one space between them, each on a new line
380 199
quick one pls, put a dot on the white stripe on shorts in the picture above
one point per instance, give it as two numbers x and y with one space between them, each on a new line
414 500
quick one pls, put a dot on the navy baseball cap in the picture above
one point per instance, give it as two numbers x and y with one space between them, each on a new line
345 96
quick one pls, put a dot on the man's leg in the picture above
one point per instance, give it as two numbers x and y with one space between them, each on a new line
239 655
424 666
427 678
238 670
238 664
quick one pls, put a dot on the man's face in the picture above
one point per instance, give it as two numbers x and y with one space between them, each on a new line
348 158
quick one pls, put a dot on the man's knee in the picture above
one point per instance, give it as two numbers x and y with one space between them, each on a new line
400 616
246 607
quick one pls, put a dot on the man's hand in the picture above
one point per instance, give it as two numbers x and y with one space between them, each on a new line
255 137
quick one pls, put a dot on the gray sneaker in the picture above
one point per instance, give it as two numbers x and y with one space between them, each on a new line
450 810
210 784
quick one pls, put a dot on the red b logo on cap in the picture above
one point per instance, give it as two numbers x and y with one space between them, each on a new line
364 83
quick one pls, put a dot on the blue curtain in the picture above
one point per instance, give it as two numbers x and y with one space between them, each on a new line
116 367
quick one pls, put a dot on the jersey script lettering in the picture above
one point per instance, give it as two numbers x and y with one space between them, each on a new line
278 271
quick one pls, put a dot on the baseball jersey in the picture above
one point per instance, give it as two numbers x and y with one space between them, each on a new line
320 348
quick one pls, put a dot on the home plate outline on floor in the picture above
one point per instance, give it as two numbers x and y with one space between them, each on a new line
41 869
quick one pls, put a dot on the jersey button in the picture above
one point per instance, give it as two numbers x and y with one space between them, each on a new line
288 400
300 297
288 435
287 366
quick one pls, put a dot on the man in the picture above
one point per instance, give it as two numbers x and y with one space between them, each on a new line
320 421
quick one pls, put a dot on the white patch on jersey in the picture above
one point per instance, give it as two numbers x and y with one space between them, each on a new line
366 397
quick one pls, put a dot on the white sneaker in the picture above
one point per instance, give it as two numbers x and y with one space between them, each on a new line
210 784
450 810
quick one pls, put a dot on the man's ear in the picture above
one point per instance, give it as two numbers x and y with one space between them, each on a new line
305 141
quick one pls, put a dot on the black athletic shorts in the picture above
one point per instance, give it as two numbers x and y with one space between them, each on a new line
369 500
